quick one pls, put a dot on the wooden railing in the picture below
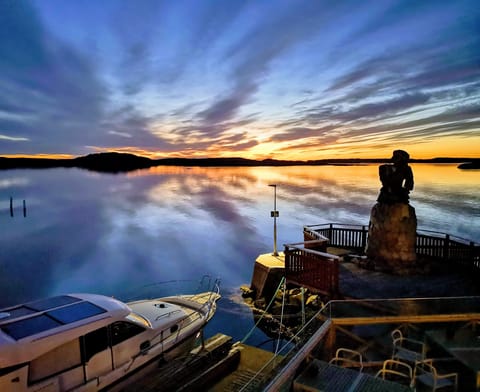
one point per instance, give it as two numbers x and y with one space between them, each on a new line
346 236
455 250
318 271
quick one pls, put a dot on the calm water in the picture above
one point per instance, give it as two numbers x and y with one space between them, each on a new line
114 234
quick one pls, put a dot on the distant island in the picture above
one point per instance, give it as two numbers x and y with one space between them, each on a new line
114 162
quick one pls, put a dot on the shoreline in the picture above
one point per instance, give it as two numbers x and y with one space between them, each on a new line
121 162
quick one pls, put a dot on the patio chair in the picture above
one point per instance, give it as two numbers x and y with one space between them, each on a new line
427 374
397 371
347 358
407 349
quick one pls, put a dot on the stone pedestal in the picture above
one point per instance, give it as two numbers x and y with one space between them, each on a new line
391 238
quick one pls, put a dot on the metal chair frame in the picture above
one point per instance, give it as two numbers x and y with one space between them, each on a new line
427 374
407 349
346 357
394 370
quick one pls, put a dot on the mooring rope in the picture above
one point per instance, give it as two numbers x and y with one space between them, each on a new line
281 317
265 312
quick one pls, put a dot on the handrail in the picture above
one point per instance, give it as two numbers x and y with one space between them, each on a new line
312 251
214 292
346 225
287 348
167 314
428 243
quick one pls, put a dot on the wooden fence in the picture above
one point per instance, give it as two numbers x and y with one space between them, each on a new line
448 248
312 269
307 264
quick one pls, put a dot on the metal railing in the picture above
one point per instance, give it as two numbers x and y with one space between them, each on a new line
446 247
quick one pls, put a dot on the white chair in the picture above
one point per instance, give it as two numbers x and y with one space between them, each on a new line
427 374
407 349
347 358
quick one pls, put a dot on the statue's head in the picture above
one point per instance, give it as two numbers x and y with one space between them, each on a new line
400 156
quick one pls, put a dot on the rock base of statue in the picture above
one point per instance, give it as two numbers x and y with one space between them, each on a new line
391 238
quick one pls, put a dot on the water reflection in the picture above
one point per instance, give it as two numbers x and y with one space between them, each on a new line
111 234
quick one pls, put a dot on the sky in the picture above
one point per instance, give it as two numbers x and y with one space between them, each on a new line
281 79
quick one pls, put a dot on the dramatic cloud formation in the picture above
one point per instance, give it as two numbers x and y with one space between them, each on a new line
280 79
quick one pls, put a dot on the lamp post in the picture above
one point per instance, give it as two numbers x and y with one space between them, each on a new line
274 215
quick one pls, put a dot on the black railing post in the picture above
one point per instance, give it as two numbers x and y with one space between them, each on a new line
364 237
471 259
446 247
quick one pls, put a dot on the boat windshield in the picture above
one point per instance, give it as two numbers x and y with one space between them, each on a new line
136 318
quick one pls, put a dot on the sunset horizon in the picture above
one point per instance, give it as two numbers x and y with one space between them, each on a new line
157 157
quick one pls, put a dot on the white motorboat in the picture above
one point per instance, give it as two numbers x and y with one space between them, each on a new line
87 342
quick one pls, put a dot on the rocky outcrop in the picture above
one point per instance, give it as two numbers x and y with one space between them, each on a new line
391 238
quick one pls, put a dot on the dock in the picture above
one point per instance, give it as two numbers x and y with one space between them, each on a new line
219 366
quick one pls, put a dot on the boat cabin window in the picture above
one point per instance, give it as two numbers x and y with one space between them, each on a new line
10 369
95 342
62 358
122 330
174 328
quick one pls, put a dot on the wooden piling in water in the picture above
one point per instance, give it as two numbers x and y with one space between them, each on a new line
11 206
24 209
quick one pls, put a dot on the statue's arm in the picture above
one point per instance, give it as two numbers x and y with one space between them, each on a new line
382 172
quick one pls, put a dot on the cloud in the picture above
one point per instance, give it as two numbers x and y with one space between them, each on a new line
302 133
226 108
251 55
213 77
60 93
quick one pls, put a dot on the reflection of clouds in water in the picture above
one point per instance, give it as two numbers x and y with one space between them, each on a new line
7 183
446 208
190 233
110 233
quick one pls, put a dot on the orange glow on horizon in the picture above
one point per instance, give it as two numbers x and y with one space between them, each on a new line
39 156
448 147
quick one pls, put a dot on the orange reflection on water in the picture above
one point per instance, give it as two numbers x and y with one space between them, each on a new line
357 176
447 174
271 175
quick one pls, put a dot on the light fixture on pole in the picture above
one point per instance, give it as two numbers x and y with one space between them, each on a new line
274 215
